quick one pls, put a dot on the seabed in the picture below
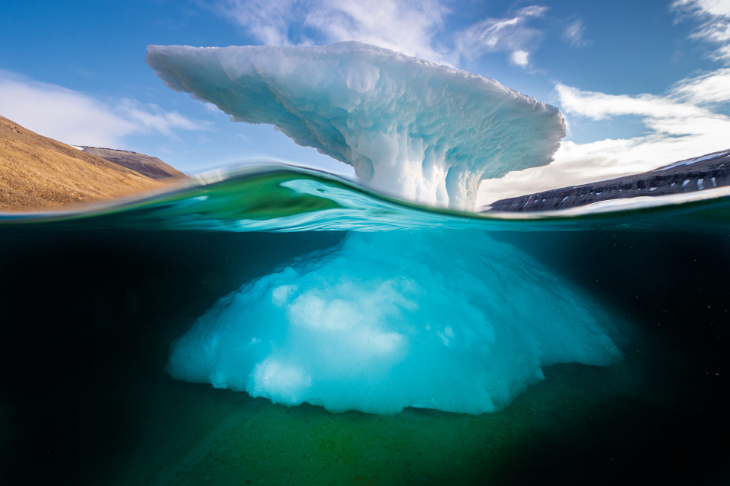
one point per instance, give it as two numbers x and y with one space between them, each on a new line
92 315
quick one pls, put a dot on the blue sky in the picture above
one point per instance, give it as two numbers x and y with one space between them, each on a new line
641 84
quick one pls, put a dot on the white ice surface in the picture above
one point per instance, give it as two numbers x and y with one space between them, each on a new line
410 128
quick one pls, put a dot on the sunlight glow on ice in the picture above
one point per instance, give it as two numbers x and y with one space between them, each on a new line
450 320
410 128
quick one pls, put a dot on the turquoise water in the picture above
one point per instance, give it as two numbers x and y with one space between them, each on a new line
94 301
276 197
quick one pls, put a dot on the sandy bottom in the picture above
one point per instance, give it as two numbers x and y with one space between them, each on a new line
581 422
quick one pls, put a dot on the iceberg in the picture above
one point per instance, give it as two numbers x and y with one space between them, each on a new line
451 320
444 319
410 128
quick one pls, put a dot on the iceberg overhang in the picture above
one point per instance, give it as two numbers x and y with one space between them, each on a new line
410 128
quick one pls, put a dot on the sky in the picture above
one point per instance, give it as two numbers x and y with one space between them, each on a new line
640 84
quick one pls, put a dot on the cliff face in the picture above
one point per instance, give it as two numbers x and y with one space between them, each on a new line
706 172
151 167
39 173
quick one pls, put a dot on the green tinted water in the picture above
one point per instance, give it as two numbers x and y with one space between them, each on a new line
93 300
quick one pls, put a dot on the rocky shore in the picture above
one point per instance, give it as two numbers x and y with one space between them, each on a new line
698 174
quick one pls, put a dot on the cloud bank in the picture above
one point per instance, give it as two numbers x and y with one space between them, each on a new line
76 118
413 28
407 27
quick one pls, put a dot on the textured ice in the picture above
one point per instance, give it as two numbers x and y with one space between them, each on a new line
410 128
450 320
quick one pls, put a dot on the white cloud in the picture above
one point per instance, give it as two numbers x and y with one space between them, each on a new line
698 7
79 119
686 122
413 28
710 88
152 118
407 27
510 35
600 106
266 20
714 28
573 34
520 58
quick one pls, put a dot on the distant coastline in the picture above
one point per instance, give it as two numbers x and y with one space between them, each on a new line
151 167
690 175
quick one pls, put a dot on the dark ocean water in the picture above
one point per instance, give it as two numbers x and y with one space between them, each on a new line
92 302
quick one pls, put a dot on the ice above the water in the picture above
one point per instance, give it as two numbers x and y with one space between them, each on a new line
450 320
410 128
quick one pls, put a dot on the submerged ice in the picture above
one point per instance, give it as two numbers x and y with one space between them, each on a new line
410 128
450 320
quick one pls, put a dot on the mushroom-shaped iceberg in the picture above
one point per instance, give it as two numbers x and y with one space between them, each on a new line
410 128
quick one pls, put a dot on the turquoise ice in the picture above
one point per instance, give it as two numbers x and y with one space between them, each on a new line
450 320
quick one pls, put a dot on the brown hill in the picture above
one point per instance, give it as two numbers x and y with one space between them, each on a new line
39 173
151 167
